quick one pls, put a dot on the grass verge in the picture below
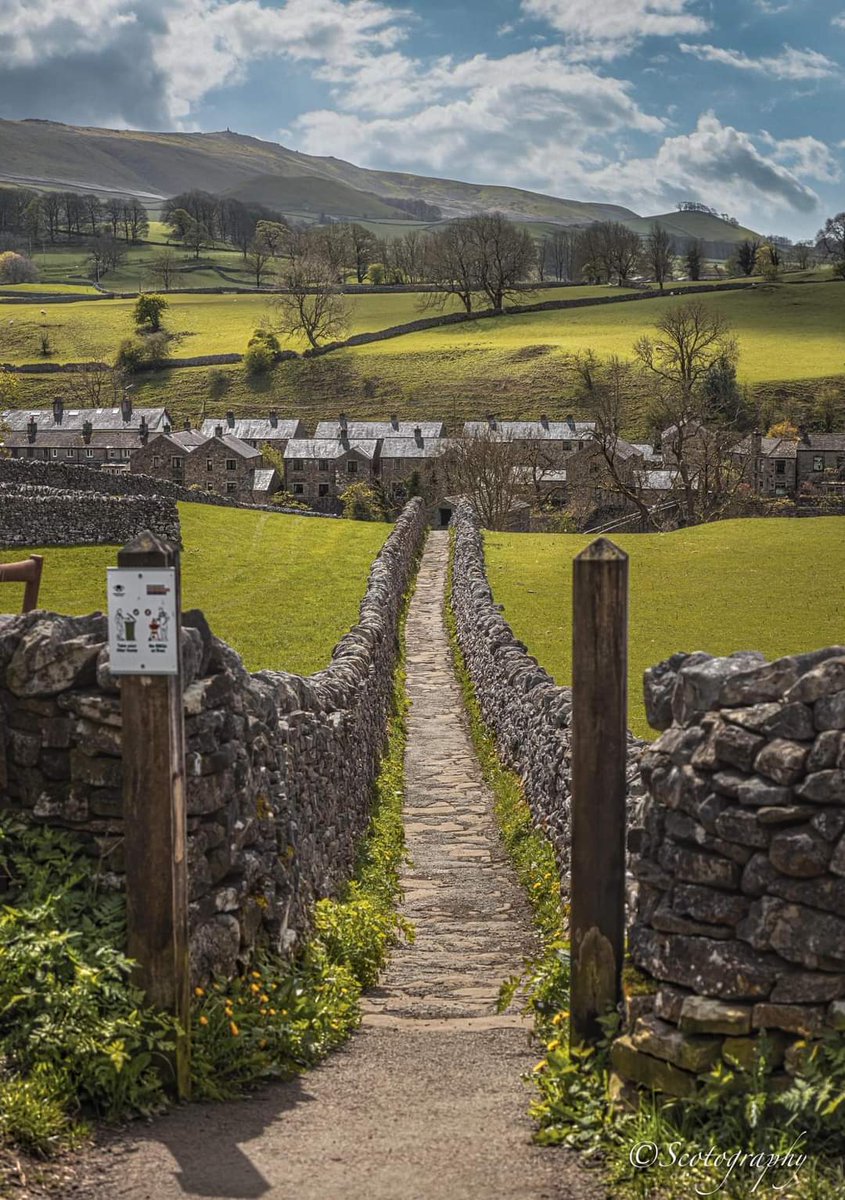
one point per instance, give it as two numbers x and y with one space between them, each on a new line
726 1141
76 1041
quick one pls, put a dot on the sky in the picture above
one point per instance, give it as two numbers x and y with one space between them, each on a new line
643 103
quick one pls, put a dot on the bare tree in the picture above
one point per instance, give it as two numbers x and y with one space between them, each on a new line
363 246
164 267
452 266
566 250
802 254
659 255
486 469
259 260
311 305
506 256
95 386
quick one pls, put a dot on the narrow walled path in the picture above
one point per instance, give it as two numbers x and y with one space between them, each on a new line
427 1101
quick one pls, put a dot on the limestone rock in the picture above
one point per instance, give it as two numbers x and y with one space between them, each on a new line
792 1018
650 1072
690 1053
729 970
800 852
700 682
823 680
782 761
798 934
738 747
823 787
55 654
701 1015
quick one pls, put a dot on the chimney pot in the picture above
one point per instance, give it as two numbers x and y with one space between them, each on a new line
230 419
58 409
394 420
544 420
342 420
218 431
87 430
187 424
418 437
126 408
274 418
31 429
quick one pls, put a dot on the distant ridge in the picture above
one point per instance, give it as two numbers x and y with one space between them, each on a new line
152 166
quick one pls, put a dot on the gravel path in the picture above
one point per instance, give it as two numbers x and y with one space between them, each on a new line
427 1101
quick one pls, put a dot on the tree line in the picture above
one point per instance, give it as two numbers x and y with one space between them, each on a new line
28 217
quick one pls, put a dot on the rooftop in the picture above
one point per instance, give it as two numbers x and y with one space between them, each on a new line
74 418
254 429
331 447
565 431
381 429
400 447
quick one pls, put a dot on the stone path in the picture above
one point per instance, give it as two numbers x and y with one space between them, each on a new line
427 1101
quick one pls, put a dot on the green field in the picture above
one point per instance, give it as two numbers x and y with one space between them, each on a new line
773 585
199 324
282 590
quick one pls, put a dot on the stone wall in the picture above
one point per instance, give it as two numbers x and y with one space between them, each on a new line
740 918
280 767
47 516
16 472
526 712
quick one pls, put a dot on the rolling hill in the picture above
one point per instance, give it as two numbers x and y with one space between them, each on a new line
152 166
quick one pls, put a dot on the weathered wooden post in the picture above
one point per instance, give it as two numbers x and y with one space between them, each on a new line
599 744
145 650
28 572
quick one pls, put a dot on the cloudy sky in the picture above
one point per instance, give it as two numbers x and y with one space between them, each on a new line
638 102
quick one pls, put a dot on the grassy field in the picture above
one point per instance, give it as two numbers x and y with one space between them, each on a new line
258 578
200 324
773 585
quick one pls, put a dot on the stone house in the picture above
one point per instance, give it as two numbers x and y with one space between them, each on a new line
92 437
588 473
409 465
769 464
318 470
224 465
378 430
820 462
551 443
255 431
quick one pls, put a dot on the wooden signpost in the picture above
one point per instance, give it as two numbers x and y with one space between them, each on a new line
599 752
27 571
145 651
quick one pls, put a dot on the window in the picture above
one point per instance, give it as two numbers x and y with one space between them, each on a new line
46 454
209 464
89 453
29 452
68 454
126 453
231 464
54 453
566 445
231 487
297 464
156 460
299 489
780 466
209 487
323 489
351 467
818 462
176 462
324 464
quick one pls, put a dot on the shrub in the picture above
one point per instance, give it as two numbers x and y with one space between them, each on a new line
363 502
288 500
143 353
148 310
258 359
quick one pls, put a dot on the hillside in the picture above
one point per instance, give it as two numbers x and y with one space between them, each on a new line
152 166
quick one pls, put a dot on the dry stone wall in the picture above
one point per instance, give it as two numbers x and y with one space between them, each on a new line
740 918
524 709
33 515
280 767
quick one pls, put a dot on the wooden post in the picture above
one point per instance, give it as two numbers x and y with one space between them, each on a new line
27 571
155 821
599 750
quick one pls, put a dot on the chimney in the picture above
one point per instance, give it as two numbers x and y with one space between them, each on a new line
31 430
803 435
143 431
570 420
342 422
418 437
126 408
218 431
187 424
58 409
274 418
87 430
394 422
544 420
168 428
230 419
491 421
756 443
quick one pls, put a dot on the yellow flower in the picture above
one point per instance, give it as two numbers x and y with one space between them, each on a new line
272 1012
540 1066
553 1044
203 1020
256 974
234 1029
254 988
262 1012
265 999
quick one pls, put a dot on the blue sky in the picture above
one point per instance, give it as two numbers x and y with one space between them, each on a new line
636 102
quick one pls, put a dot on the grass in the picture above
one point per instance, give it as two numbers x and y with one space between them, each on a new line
257 576
771 584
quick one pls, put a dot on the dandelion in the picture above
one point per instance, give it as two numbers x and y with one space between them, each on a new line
198 991
553 1044
233 1029
203 1020
264 999
540 1066
256 974
272 1012
254 988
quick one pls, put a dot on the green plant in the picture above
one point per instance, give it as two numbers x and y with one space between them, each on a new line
148 311
363 502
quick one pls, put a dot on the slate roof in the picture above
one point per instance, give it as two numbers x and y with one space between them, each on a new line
368 430
658 481
74 418
411 448
263 479
823 441
648 451
535 431
254 429
770 447
330 447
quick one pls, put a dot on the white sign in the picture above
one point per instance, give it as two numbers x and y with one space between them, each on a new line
143 622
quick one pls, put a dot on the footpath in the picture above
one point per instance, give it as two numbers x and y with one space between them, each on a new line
427 1101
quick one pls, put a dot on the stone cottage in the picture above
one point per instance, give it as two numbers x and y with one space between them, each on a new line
256 431
318 470
221 464
91 437
409 466
379 430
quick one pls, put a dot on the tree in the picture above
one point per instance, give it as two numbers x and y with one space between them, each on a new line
95 386
164 267
486 468
363 245
148 310
273 235
311 306
831 239
193 233
784 429
9 388
331 247
694 260
451 264
802 253
767 263
259 259
829 407
612 252
505 257
659 254
746 256
105 254
262 351
17 268
363 502
566 254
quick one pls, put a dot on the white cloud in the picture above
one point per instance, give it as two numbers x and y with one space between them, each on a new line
606 28
807 156
790 64
58 28
840 20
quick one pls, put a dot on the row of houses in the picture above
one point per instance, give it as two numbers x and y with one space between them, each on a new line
250 458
